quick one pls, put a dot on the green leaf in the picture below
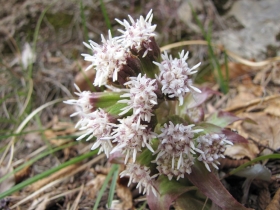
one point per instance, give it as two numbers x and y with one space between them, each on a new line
105 99
209 128
115 109
190 200
222 119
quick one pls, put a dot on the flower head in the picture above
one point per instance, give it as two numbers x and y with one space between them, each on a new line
213 147
175 76
139 34
176 142
108 59
141 175
131 137
165 165
83 103
141 97
97 124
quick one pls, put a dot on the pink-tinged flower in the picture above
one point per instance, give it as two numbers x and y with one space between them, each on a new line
108 59
141 175
82 104
141 97
175 76
139 34
165 165
176 141
213 147
97 124
131 137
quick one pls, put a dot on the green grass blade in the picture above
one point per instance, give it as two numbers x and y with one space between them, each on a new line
102 190
106 17
86 37
214 60
46 173
227 72
113 185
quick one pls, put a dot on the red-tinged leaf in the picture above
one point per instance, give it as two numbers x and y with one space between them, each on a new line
234 137
169 191
209 184
195 99
222 119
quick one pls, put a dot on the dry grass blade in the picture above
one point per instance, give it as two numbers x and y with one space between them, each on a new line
21 126
67 176
76 202
37 193
229 53
62 173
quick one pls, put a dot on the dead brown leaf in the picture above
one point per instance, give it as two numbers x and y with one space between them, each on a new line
273 107
267 129
59 129
275 203
240 151
125 195
93 187
246 105
246 93
22 174
237 70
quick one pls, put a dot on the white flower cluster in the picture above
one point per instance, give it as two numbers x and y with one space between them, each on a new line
110 58
82 104
138 35
131 137
176 145
213 147
175 76
132 128
141 175
141 97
